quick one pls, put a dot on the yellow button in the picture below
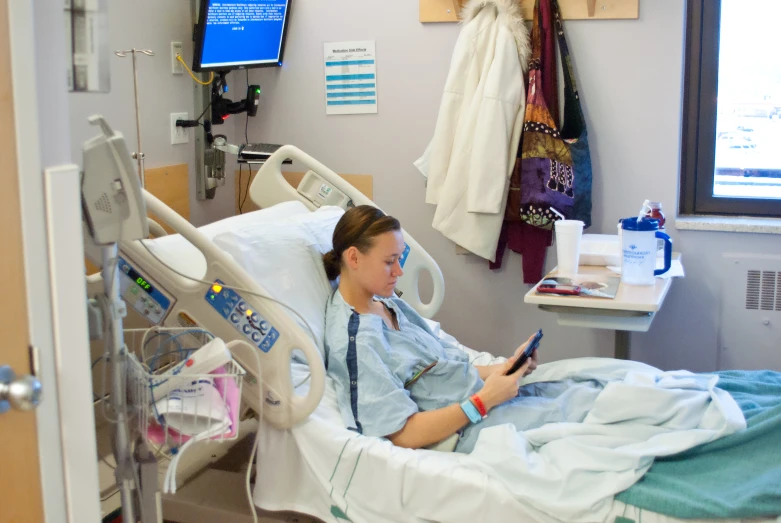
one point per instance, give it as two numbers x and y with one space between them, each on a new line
217 287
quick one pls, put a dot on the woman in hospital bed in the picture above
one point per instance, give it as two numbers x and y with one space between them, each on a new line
582 430
394 378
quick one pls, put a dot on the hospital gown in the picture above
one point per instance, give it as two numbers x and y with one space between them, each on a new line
371 363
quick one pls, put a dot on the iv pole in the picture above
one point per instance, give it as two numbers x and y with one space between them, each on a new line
126 473
115 347
138 155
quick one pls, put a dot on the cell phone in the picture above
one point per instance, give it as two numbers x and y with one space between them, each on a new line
526 353
567 290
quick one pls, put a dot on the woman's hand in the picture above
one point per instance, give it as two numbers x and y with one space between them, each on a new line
499 388
532 360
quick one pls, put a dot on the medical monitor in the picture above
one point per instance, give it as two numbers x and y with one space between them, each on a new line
239 34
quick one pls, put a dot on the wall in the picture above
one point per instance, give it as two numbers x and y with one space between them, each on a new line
149 24
630 77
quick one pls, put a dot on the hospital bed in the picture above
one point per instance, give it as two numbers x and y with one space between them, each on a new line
308 462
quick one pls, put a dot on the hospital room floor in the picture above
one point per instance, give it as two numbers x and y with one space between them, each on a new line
201 502
227 475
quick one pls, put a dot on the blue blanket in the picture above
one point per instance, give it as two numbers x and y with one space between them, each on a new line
738 476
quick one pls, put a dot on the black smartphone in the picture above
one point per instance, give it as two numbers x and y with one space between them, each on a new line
526 354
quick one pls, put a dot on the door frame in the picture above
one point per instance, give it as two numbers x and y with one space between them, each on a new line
21 475
69 484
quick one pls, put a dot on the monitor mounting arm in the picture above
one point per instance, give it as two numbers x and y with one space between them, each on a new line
210 153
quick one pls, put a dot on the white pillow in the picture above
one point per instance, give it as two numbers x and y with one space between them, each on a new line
274 213
185 257
285 257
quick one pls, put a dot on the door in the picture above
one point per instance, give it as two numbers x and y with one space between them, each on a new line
20 482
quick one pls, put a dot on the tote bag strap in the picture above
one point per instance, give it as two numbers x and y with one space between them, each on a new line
548 66
535 80
574 122
541 97
536 38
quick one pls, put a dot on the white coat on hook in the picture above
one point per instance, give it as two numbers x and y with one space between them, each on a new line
471 156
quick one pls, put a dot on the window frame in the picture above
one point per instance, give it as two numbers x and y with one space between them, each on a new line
698 126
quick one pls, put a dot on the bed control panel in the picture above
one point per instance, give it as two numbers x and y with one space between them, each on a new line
140 294
244 319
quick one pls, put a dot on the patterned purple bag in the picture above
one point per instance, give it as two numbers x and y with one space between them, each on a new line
552 175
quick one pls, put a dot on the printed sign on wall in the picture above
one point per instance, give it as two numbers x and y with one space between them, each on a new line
350 78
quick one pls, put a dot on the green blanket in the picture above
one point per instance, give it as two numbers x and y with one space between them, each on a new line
738 476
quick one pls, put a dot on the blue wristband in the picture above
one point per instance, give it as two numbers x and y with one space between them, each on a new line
471 412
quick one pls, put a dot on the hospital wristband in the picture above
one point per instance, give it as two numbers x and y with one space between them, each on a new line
471 411
478 403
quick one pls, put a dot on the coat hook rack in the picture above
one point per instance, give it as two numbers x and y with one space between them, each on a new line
592 8
448 10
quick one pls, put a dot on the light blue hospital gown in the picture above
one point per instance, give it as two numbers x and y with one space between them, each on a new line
370 363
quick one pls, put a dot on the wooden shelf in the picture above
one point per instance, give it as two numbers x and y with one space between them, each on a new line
447 10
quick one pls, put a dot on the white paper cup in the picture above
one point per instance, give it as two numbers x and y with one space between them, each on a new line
568 235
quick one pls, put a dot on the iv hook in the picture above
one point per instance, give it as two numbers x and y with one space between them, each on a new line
123 54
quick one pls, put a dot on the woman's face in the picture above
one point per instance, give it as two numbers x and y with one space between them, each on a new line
378 269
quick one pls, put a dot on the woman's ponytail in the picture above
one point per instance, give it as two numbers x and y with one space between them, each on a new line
333 265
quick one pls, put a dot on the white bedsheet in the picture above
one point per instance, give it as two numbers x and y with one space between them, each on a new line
573 470
321 468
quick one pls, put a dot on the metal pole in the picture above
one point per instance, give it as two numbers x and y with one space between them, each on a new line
138 155
201 95
117 358
622 341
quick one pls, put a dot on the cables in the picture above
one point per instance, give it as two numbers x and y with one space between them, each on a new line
170 479
241 201
211 78
169 482
241 289
254 450
197 121
171 338
246 189
108 497
246 121
233 287
246 140
204 111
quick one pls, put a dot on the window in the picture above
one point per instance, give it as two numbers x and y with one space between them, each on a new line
731 135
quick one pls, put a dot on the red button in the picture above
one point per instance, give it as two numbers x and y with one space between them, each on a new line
189 363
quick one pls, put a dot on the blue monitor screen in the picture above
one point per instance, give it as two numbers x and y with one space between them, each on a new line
241 33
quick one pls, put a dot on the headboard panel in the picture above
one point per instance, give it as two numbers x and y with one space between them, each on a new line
363 182
270 187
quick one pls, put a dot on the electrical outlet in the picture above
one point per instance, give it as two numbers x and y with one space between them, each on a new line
176 65
179 134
